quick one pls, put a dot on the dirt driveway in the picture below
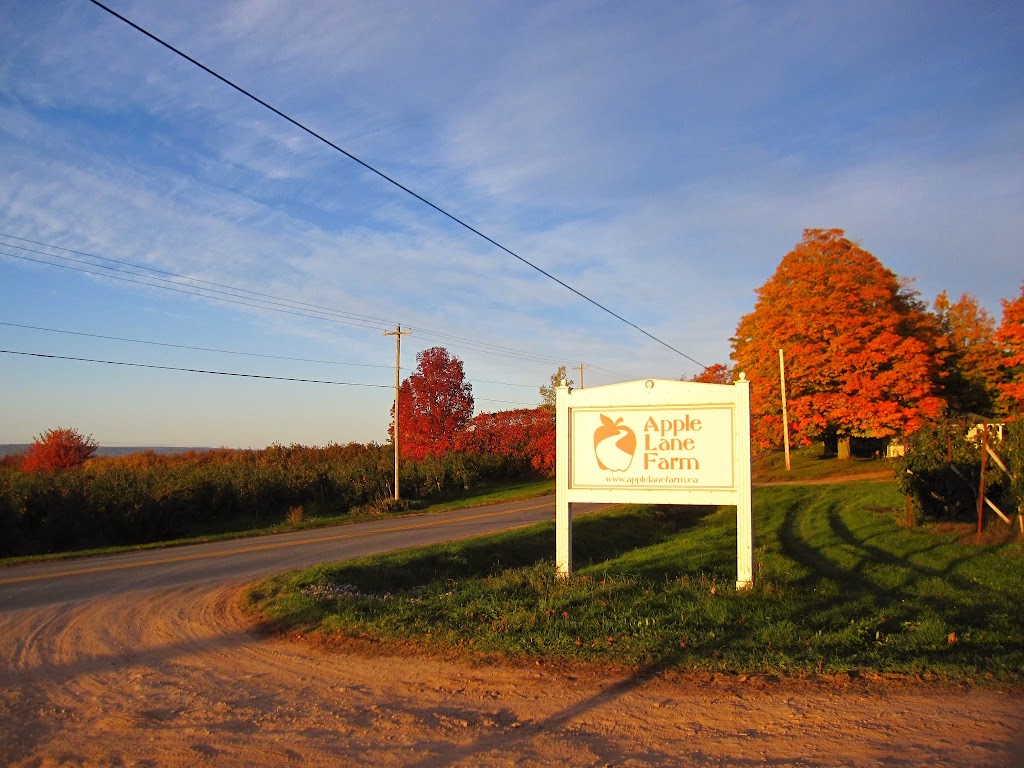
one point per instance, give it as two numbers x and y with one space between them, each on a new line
180 676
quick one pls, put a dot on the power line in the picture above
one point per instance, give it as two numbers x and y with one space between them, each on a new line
183 290
314 310
187 346
193 370
469 343
389 179
496 350
234 288
370 321
502 383
229 373
278 304
236 352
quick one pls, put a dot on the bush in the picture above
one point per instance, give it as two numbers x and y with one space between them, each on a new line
942 465
58 449
1013 455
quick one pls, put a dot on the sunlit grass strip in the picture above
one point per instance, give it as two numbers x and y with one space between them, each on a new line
807 463
840 588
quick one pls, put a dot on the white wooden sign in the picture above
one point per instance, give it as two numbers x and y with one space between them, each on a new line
654 442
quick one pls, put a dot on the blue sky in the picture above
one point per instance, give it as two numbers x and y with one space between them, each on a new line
660 157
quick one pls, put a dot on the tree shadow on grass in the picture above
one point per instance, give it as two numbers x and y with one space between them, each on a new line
889 587
596 538
958 613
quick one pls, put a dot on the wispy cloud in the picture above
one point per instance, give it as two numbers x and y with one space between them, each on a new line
660 158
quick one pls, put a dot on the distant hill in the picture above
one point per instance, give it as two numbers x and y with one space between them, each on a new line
105 450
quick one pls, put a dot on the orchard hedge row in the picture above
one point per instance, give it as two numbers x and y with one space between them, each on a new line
149 497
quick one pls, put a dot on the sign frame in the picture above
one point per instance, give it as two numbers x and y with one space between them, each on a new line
686 452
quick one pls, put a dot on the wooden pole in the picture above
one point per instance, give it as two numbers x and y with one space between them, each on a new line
563 507
398 333
981 484
744 502
581 367
785 415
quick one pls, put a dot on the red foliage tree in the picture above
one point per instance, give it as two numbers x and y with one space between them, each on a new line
434 404
58 449
1010 338
525 436
861 350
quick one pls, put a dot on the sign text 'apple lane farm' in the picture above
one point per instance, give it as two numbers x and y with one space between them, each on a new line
655 448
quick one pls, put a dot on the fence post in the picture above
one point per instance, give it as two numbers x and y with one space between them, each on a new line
981 484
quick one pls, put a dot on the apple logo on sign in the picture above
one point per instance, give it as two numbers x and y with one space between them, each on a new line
614 445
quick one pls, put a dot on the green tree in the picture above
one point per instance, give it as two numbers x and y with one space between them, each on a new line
547 392
861 349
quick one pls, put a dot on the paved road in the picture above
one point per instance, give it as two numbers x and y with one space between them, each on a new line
242 560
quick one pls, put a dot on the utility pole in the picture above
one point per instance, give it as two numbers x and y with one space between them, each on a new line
580 368
398 333
785 414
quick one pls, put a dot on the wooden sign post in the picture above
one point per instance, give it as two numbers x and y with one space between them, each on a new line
654 442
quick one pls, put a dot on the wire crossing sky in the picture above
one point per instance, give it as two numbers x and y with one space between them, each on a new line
169 281
221 373
661 162
391 180
192 370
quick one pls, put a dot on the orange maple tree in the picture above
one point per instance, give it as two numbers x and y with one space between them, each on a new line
970 370
714 374
861 351
1010 338
434 404
58 449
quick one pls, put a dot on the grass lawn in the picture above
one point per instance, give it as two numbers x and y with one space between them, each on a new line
840 588
807 463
